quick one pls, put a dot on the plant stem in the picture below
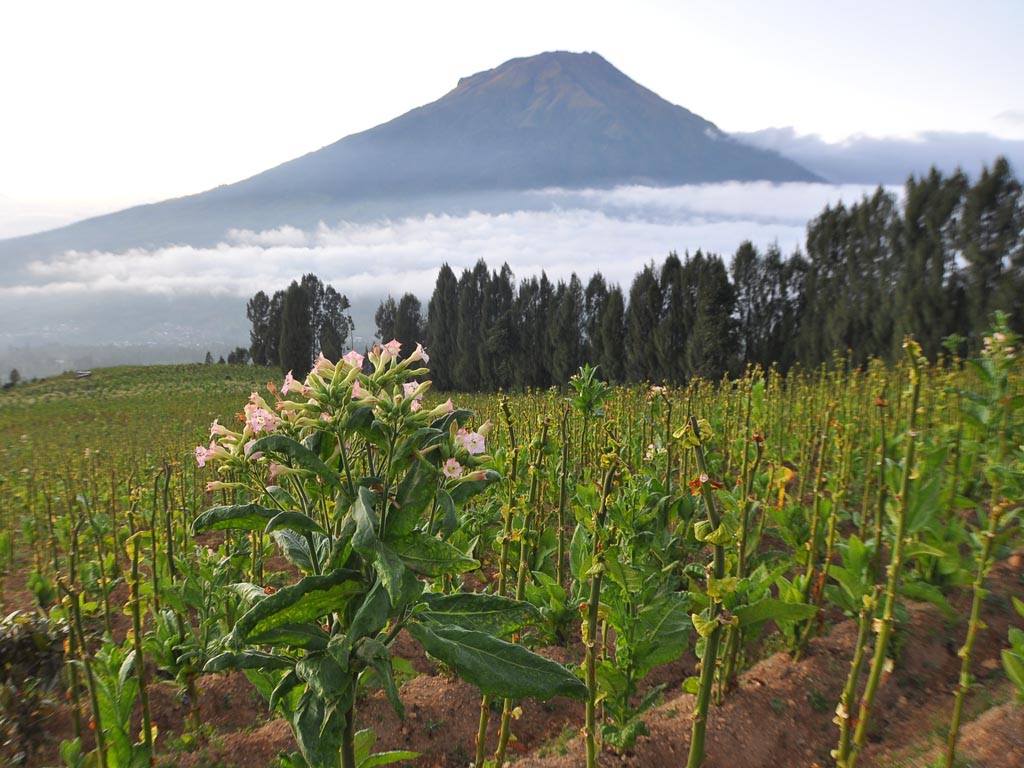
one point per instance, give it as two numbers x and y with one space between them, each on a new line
710 658
879 662
593 615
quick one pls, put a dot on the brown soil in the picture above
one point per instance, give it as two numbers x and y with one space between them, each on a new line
780 715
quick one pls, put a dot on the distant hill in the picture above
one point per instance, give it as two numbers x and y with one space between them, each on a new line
556 119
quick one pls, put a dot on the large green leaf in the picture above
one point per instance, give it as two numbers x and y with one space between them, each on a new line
247 660
430 556
299 454
239 517
319 727
496 667
309 636
324 674
295 548
415 493
772 609
365 540
310 598
464 491
664 625
492 614
295 521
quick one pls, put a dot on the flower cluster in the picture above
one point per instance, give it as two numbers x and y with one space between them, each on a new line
351 406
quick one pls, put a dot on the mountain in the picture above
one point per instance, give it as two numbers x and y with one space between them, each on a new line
552 120
888 160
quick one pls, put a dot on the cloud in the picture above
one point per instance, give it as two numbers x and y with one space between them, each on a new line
614 231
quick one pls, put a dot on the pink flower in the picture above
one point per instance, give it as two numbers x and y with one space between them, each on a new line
219 429
289 382
473 442
443 409
387 352
452 469
215 451
291 385
201 455
323 367
419 354
357 391
409 389
354 360
260 419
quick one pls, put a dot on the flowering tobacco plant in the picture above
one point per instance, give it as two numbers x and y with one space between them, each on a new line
359 485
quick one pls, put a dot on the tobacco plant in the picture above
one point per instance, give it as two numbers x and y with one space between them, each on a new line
351 479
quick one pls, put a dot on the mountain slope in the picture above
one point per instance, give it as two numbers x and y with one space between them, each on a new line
555 119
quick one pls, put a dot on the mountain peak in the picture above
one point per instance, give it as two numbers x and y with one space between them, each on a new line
557 119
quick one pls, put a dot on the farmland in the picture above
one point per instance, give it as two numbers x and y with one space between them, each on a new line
535 577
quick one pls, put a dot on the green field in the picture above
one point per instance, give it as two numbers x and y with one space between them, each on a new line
781 501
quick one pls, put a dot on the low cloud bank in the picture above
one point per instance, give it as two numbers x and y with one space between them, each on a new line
613 231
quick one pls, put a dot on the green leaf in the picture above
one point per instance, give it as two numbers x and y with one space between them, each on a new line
415 493
311 598
239 517
581 553
365 540
374 654
247 660
492 614
299 454
772 609
721 536
429 556
463 492
324 675
664 625
1014 666
319 727
295 548
703 625
308 636
496 667
251 593
371 616
295 521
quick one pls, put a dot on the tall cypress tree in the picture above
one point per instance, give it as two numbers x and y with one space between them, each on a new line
612 337
296 348
642 317
442 327
991 241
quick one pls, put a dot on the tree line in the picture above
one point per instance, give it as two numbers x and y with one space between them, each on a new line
935 264
295 324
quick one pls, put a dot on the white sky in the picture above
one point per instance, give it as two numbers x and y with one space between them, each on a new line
106 104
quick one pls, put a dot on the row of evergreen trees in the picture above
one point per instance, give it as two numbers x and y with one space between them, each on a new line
934 265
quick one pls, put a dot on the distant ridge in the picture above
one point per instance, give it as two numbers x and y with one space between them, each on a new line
556 119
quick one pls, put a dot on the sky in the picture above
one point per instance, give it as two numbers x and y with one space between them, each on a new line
108 104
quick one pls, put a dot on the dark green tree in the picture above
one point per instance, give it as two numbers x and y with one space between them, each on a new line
991 232
442 328
335 324
384 318
676 316
642 318
594 298
296 345
611 355
711 339
565 331
258 312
